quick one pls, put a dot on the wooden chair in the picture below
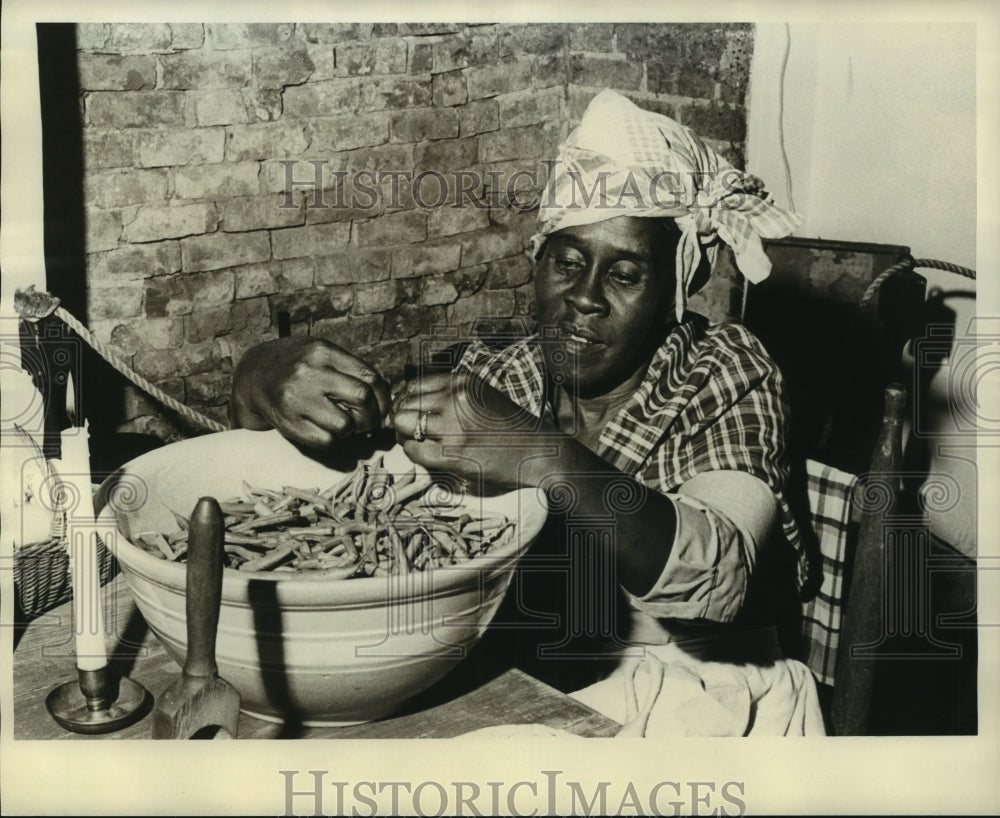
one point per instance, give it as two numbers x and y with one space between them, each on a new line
841 359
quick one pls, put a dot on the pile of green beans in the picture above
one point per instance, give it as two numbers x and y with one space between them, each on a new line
371 523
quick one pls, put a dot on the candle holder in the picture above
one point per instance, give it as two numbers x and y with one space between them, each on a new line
98 702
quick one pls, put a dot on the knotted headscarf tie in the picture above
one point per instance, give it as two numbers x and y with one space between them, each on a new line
624 161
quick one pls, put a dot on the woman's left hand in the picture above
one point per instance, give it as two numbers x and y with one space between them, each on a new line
457 423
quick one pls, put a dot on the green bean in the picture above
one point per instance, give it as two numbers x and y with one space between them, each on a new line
235 538
276 557
264 521
242 552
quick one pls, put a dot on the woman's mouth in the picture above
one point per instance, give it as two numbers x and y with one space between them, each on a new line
580 337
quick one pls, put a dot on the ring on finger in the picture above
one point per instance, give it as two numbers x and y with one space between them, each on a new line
420 431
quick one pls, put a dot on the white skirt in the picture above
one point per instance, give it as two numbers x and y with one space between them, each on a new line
661 690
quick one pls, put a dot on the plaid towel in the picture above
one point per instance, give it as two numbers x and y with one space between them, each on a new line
830 492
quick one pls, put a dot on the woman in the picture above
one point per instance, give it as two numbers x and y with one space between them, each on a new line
621 382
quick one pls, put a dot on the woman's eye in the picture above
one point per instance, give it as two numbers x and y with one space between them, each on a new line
568 264
625 275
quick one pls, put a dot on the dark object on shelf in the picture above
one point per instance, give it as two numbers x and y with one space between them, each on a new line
109 452
837 357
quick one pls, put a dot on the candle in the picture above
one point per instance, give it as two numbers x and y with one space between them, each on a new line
88 613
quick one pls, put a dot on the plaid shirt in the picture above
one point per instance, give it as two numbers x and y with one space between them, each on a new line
711 400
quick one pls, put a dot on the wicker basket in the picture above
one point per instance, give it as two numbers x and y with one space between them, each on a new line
41 569
42 577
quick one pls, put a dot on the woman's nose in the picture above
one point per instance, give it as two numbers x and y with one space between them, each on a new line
586 295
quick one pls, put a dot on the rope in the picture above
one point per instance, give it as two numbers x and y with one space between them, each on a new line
908 264
109 355
33 305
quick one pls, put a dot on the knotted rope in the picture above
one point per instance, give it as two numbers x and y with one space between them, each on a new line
33 306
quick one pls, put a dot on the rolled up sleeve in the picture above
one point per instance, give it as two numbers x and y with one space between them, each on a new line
722 519
707 572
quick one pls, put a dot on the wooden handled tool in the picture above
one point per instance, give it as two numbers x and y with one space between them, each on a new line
200 700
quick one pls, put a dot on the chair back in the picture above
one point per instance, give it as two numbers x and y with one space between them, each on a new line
836 355
838 350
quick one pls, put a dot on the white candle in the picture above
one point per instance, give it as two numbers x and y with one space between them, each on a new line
88 613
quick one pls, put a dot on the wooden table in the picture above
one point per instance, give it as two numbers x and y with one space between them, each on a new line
469 698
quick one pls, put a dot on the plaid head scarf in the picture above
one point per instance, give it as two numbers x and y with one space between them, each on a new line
624 161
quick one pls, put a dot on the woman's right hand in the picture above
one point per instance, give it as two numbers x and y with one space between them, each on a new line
309 390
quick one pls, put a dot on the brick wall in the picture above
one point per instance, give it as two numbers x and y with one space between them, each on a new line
195 247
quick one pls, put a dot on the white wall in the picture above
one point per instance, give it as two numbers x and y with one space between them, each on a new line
879 129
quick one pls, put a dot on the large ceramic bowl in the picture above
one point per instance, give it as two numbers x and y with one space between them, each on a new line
336 651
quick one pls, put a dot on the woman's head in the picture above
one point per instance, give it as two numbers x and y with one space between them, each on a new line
624 161
604 294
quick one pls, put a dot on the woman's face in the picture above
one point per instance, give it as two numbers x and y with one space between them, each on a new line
604 295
